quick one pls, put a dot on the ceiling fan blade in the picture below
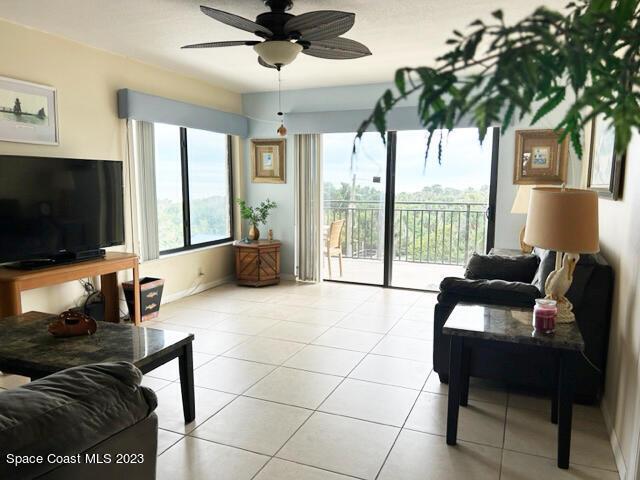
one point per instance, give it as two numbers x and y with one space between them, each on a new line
320 25
232 43
337 49
237 21
264 64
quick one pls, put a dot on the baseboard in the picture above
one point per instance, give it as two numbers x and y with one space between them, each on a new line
615 444
287 276
198 289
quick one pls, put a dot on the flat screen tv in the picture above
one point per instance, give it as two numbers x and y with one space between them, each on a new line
58 209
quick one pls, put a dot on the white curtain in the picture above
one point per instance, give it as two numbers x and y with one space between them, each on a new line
308 175
146 186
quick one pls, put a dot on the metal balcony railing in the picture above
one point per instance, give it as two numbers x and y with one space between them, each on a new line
423 232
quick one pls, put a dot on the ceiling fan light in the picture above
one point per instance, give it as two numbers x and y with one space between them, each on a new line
278 52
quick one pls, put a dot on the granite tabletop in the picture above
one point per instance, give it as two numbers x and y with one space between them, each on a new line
508 324
25 342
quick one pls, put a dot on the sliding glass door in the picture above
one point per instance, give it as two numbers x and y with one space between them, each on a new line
397 220
442 209
354 213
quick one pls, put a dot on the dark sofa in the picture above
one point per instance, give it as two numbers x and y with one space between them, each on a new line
517 281
80 415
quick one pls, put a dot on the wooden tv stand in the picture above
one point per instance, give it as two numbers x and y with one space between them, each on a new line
14 282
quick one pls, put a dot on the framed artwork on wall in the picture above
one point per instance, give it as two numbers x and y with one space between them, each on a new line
268 162
540 159
28 112
606 167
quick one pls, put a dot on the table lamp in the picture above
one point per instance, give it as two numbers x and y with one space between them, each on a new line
564 220
521 205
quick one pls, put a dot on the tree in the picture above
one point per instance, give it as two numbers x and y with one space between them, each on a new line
497 71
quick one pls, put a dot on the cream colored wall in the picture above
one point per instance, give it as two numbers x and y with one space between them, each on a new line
87 80
620 243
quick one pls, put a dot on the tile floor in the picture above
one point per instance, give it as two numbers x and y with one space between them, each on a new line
334 381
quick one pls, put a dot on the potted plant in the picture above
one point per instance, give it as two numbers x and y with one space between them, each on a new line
255 215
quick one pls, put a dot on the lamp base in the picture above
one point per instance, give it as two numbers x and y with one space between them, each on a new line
565 309
524 247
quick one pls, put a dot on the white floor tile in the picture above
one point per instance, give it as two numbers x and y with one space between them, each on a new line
294 331
8 381
245 325
348 339
153 383
167 439
413 329
327 360
367 323
479 389
196 459
518 466
480 422
170 413
295 387
401 347
230 375
531 432
392 371
265 350
208 341
170 371
278 469
192 317
316 316
340 444
252 424
371 401
420 456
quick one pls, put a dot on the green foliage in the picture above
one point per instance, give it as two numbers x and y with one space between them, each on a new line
497 71
437 224
256 215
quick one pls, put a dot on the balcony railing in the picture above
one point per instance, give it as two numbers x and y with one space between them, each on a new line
423 232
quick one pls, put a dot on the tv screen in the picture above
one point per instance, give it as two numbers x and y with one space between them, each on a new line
53 206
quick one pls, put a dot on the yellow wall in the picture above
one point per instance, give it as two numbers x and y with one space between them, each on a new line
620 243
87 80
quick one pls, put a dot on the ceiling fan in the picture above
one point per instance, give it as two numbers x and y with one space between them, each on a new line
284 35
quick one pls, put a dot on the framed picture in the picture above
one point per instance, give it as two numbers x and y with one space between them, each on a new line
28 112
606 168
540 159
268 161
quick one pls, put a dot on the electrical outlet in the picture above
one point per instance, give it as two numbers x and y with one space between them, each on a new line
200 272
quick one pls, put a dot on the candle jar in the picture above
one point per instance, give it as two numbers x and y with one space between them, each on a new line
544 315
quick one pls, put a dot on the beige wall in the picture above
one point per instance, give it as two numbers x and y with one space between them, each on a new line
87 80
620 243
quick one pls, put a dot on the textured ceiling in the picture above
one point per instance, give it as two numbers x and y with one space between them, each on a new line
399 33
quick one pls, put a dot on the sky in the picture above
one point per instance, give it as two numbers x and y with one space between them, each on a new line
207 152
465 163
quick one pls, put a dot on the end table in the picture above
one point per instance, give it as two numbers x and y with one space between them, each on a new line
257 262
471 324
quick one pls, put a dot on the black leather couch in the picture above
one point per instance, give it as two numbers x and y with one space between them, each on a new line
517 281
80 415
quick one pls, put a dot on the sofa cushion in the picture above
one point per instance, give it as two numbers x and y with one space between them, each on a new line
72 410
520 268
495 292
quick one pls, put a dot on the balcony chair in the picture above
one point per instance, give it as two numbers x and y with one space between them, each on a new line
517 281
334 249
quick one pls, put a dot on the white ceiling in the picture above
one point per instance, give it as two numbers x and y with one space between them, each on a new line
398 32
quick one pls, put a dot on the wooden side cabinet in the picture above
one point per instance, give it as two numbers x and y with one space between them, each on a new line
258 263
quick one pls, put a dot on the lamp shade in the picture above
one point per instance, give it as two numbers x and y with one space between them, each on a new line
521 202
278 52
564 220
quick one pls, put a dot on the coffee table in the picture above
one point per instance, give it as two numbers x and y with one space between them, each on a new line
27 348
470 325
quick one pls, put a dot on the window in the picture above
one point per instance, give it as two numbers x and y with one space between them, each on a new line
193 188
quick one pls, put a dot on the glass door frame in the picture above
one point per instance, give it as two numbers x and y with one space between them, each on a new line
389 209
